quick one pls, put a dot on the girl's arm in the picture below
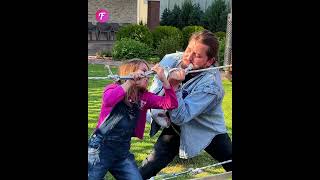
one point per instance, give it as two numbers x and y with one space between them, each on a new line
169 100
113 94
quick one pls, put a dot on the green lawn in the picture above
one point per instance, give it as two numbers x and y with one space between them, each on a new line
141 148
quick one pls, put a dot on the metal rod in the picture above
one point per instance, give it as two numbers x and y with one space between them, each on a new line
151 72
190 170
206 69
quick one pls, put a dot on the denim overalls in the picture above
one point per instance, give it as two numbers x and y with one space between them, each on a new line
108 148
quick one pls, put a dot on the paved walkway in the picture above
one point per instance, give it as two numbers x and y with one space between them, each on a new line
107 60
96 46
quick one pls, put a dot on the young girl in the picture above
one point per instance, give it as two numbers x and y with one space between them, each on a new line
122 116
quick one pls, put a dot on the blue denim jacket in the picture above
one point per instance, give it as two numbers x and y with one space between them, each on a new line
199 114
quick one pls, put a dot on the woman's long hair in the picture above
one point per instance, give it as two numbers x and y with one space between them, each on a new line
125 69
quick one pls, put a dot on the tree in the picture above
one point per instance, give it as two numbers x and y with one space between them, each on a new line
175 17
196 16
186 11
165 18
215 17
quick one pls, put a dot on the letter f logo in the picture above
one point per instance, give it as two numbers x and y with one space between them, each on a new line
102 15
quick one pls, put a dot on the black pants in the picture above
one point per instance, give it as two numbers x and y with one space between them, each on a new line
167 147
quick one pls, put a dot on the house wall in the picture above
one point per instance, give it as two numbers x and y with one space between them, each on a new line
120 11
142 11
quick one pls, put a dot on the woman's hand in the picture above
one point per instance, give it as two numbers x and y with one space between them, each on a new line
160 72
176 76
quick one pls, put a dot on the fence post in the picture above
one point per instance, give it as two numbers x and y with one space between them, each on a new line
228 48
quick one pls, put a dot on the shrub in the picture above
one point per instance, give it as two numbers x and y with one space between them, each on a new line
153 60
187 32
222 44
162 32
220 35
128 48
103 53
168 45
137 32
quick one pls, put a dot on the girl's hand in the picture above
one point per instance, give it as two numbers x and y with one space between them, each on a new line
137 75
129 83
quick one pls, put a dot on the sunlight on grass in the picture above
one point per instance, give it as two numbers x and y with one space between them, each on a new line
173 169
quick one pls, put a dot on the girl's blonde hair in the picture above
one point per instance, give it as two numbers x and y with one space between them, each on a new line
125 69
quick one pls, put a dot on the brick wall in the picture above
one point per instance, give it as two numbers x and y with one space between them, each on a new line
120 11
